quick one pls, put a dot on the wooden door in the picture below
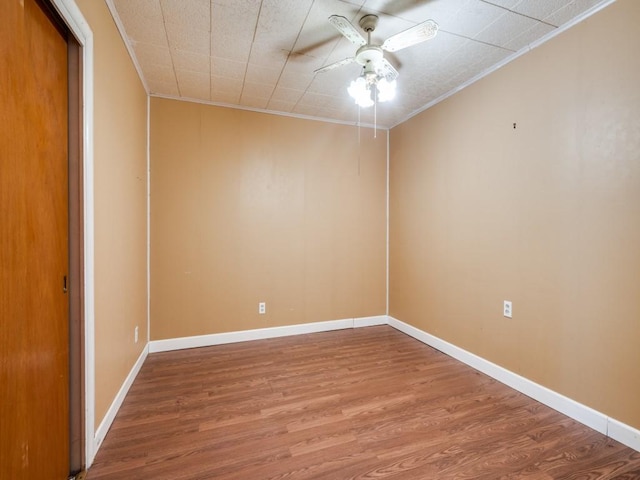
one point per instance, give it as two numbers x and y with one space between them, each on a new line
34 336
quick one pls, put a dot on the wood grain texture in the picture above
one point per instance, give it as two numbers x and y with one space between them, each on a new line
367 403
34 337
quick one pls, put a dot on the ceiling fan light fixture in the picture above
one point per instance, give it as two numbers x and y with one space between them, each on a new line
378 75
360 89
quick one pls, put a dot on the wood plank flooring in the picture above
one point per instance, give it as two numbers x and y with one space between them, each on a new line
369 403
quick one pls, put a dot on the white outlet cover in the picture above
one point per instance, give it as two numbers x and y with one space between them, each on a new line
507 310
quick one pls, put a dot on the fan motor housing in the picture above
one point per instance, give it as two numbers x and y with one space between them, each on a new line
369 54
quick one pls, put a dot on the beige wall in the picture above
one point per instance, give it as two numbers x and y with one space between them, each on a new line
120 183
546 215
249 207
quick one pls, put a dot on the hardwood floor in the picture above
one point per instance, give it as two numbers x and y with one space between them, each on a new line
369 403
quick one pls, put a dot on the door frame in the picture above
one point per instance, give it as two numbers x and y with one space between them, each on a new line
76 252
71 15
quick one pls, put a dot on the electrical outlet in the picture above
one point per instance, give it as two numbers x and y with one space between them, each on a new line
262 308
135 335
507 309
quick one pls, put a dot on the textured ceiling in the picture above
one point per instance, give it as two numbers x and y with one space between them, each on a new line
261 54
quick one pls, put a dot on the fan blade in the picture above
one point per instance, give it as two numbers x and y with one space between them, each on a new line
345 27
386 70
419 33
331 66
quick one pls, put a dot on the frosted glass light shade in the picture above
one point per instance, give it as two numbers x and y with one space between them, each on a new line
386 90
360 92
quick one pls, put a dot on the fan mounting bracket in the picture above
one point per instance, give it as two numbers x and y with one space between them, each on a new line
368 23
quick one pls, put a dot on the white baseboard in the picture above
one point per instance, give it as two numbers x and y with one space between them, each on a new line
370 321
598 421
262 333
623 433
105 425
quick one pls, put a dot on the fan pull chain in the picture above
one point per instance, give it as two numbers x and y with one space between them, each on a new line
359 152
375 113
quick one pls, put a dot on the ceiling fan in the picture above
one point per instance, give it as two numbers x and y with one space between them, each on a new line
376 70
